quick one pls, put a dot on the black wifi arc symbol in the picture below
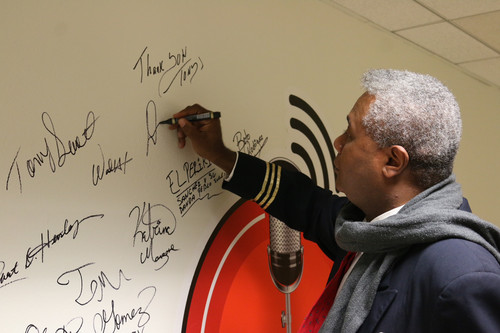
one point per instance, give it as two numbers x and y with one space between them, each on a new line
299 150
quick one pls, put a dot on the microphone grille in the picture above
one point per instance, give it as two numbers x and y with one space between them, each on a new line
283 239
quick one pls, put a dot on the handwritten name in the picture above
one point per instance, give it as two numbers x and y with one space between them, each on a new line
178 68
55 150
191 169
134 320
7 277
151 125
247 144
49 239
154 222
138 317
73 326
109 166
96 286
195 186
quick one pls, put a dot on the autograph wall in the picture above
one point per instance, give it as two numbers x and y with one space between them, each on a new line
103 220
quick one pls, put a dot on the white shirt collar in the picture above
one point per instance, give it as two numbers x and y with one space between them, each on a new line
385 215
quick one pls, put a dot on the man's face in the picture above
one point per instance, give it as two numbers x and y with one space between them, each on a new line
359 161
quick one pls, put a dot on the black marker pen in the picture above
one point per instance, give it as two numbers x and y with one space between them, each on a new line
193 117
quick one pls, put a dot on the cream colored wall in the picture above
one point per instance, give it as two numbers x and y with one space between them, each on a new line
478 162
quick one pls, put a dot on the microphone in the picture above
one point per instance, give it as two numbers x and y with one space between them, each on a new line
285 254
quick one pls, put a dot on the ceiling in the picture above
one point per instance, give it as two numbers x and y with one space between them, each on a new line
463 32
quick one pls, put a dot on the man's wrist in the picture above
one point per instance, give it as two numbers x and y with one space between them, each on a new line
226 161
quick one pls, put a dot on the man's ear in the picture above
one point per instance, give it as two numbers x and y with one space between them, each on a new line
397 161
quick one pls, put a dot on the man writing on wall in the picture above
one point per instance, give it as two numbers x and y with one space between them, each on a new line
420 263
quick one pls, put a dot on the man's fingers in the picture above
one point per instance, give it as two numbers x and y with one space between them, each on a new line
181 137
193 109
202 133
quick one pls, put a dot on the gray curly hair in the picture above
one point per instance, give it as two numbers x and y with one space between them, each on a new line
419 113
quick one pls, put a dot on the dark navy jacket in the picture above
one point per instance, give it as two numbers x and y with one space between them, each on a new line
449 286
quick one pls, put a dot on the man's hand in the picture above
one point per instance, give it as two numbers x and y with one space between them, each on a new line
206 137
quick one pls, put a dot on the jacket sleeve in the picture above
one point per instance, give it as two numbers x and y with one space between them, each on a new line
291 197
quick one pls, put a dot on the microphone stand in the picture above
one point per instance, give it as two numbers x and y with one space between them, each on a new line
287 289
286 316
285 265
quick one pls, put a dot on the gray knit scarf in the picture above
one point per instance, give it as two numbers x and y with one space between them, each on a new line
431 216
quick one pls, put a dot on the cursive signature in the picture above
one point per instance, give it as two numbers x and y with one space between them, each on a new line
109 166
55 149
49 239
151 125
7 277
247 144
178 67
191 170
200 189
73 326
111 320
195 182
153 222
96 286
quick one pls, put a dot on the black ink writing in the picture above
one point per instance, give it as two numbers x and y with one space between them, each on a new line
148 68
63 150
178 68
191 170
73 326
174 182
109 166
138 317
195 182
47 240
153 221
7 277
151 124
246 144
88 291
14 162
55 150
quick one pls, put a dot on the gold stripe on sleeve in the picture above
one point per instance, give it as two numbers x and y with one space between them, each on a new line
269 185
276 188
264 184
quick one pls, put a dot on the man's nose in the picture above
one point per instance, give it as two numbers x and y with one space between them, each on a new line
338 144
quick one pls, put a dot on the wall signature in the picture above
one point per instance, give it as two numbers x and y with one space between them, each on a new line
154 223
196 181
54 153
173 69
48 240
249 145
